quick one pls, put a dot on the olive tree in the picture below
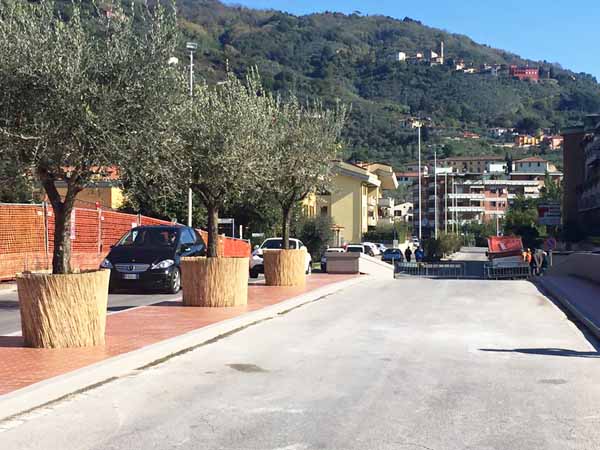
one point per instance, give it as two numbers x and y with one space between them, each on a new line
224 139
78 93
307 142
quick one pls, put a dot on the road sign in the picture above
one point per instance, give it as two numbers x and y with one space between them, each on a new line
549 213
258 235
550 244
226 221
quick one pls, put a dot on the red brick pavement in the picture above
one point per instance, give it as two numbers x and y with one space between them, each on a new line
131 330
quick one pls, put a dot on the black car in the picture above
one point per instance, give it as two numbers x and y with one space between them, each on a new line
149 256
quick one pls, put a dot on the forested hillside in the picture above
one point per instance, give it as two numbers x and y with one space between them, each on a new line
351 58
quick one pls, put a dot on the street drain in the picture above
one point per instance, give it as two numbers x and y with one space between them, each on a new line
247 368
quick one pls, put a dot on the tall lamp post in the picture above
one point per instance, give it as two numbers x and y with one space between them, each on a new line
191 47
418 125
435 199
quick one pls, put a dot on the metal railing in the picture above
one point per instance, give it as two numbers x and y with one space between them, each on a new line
431 270
512 272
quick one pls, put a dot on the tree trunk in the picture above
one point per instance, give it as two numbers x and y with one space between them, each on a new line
287 216
61 256
212 246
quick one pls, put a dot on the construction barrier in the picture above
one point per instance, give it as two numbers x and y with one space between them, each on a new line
27 237
430 270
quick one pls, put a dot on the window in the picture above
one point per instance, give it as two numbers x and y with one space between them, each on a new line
187 238
324 210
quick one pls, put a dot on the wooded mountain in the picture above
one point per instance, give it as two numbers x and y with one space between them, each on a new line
351 58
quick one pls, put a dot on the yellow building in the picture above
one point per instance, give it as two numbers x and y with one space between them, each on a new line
352 202
106 193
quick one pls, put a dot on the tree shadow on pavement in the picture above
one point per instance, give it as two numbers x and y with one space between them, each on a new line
545 352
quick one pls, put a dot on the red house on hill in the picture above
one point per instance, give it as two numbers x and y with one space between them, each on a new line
525 73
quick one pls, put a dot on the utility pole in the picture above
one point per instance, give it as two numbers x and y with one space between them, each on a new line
435 199
420 195
191 46
446 203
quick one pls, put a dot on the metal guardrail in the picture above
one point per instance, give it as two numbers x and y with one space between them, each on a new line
513 272
431 270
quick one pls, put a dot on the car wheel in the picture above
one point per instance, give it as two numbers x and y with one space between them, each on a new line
253 273
175 283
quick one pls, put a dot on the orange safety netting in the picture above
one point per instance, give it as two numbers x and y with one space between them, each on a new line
27 236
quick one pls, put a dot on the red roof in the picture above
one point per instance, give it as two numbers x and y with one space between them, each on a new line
407 174
532 159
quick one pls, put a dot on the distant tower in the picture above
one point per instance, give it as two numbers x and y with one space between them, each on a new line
442 52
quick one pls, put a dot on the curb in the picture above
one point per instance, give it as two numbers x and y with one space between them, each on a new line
62 386
551 290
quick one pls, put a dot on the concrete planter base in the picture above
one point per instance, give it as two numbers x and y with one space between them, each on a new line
62 311
214 282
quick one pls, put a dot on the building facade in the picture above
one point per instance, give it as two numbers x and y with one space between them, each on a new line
581 155
354 201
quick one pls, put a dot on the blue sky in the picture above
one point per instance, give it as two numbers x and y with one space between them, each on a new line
561 31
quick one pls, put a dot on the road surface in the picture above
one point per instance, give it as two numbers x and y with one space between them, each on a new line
402 364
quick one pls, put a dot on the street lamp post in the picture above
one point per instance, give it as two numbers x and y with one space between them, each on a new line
191 47
435 199
418 125
446 202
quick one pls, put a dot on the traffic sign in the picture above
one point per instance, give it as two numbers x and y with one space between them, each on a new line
550 243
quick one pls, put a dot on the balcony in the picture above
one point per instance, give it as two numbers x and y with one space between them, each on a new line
386 202
468 196
464 209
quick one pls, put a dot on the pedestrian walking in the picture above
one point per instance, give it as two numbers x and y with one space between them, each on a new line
530 261
419 254
408 254
539 261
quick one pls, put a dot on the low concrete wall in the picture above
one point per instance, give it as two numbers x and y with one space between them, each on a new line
342 263
583 265
350 263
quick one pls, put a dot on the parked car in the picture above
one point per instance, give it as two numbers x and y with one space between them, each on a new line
324 257
392 254
257 265
371 249
356 248
382 248
149 257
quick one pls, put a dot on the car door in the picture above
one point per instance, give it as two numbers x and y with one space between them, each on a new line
187 243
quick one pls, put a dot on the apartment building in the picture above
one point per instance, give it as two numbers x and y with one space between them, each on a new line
581 155
471 164
354 201
462 198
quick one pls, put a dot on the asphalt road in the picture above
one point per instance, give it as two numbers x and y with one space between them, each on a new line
401 364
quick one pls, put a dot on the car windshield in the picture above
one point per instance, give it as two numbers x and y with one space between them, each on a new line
392 251
274 244
149 237
355 249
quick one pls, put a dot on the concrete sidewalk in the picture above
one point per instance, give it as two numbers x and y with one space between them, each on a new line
579 296
140 337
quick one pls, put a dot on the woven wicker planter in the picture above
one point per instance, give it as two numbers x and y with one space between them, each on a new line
285 267
62 311
214 282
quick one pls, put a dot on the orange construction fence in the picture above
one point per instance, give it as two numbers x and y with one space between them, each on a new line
27 237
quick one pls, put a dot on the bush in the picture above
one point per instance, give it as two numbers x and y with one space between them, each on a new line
387 232
316 234
444 245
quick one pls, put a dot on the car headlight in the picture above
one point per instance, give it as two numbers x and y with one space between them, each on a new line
106 264
163 264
